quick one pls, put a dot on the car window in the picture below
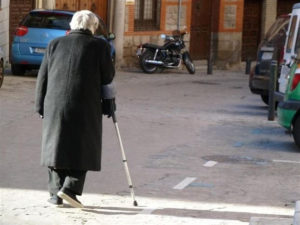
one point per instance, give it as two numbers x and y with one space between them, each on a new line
297 46
101 30
47 20
291 34
280 26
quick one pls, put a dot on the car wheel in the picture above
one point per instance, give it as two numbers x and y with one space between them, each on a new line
17 69
265 99
1 72
296 131
113 58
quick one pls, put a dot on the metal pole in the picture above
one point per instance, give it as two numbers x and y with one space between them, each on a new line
211 55
211 44
248 66
179 14
272 89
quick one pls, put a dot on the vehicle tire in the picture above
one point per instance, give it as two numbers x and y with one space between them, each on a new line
113 58
146 67
1 72
265 99
17 69
188 62
296 131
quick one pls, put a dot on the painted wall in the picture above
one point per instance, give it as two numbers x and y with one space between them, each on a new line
4 29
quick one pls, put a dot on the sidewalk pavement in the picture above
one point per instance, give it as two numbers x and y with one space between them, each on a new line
172 125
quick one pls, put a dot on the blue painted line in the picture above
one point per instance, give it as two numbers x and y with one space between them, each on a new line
256 131
238 144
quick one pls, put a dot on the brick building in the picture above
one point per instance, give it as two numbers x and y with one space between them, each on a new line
229 30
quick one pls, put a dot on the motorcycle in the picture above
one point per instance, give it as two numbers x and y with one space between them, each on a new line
170 55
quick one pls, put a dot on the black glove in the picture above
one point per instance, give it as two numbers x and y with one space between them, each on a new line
108 107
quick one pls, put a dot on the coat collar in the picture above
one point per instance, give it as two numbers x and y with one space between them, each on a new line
81 31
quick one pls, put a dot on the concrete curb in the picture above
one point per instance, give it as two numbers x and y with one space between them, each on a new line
270 221
297 214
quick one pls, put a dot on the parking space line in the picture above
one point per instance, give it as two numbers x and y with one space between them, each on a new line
210 163
286 161
184 183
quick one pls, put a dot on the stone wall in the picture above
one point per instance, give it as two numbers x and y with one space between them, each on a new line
172 17
4 29
228 50
227 39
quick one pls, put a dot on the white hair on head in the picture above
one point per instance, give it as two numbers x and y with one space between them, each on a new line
85 20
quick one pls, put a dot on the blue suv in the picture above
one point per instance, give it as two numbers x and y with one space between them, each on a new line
36 30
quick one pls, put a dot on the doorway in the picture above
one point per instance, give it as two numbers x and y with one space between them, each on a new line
251 28
200 29
97 6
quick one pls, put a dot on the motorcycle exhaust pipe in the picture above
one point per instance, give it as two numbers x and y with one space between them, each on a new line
155 62
175 67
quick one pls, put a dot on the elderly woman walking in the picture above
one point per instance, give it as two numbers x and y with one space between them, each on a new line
74 88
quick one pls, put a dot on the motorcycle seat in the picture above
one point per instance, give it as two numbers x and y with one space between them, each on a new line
153 46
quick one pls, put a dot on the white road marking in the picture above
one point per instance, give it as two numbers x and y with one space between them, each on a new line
286 161
210 163
184 183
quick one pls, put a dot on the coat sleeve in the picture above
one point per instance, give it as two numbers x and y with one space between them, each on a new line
106 66
41 85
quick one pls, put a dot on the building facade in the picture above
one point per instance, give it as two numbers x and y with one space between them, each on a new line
146 20
228 31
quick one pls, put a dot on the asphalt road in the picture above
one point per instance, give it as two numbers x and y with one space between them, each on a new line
199 148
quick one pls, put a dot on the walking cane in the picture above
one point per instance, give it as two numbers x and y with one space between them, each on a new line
114 118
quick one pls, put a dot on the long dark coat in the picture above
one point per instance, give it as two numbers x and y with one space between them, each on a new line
68 95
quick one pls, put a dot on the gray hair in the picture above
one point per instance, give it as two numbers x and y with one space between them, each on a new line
86 20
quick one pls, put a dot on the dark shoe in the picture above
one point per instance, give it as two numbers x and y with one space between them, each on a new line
70 198
55 200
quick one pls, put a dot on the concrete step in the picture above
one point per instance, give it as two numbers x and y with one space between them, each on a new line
270 221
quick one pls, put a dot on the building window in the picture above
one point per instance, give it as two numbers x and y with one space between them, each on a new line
147 15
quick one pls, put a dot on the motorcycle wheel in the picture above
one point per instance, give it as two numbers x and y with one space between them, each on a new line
188 62
146 67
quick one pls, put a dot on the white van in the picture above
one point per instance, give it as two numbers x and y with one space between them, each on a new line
291 45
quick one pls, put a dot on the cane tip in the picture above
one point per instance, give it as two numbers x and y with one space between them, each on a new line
135 203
